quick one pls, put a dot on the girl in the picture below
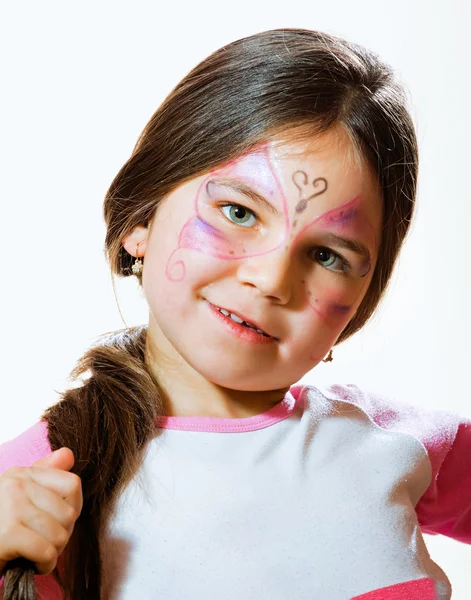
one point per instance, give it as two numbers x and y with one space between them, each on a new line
262 210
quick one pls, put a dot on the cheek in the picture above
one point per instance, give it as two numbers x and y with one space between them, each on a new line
316 336
173 277
334 304
200 236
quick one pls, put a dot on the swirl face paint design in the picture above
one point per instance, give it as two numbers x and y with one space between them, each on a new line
300 180
252 184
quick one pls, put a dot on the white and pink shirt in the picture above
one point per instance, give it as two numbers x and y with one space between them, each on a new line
325 496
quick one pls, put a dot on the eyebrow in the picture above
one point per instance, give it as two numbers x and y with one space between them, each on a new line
349 244
332 238
241 188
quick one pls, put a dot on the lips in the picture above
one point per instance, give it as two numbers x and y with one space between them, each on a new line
246 320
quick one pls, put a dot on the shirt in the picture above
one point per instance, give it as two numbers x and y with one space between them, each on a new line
325 496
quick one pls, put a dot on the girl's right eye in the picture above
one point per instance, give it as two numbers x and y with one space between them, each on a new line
239 214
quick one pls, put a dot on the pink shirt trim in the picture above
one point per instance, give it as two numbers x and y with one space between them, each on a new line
421 589
223 425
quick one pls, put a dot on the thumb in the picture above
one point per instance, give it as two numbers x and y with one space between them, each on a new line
63 458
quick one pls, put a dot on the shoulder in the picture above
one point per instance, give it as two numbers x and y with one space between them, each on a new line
435 429
25 449
445 506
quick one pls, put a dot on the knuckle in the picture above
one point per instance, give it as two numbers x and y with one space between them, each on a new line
49 553
76 482
12 472
39 520
11 485
7 529
61 539
70 514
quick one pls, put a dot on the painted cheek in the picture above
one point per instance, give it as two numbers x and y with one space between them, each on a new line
334 306
333 313
199 235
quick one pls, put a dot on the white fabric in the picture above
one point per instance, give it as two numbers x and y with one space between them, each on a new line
319 505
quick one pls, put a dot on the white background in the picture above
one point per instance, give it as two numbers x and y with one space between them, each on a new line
78 83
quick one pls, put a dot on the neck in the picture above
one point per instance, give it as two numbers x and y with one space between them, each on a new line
186 393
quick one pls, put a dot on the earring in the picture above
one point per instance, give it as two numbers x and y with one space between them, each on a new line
137 266
329 358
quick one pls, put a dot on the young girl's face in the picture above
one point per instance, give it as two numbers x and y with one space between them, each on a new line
285 238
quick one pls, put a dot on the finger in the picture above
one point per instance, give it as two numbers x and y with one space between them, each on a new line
63 458
32 546
45 526
67 485
48 501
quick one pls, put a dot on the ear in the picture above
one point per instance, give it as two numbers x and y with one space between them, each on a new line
138 236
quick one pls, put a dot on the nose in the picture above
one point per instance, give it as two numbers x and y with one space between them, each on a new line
270 273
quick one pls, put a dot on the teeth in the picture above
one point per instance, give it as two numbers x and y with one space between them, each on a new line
236 318
240 321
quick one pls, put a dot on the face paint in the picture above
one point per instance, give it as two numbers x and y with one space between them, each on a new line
350 219
210 232
347 219
250 187
329 308
333 228
300 180
266 265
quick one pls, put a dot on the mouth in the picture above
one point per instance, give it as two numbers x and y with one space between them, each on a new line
240 320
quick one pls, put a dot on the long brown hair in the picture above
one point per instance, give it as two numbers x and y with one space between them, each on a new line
241 95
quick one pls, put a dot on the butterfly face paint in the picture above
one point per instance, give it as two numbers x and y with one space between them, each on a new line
242 211
282 237
212 230
334 228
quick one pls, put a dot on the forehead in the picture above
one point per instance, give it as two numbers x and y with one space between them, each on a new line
286 169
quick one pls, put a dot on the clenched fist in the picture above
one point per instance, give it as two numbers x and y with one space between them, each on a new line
38 509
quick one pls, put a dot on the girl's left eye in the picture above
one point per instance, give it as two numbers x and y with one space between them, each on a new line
331 260
239 214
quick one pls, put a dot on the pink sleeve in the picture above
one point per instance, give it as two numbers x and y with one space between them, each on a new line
23 451
27 448
445 507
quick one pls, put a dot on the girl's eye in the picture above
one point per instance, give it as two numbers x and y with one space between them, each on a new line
239 214
331 260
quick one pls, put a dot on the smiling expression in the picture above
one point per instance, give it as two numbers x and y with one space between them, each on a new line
286 236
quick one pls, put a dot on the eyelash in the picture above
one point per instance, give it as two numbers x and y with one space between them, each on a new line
346 267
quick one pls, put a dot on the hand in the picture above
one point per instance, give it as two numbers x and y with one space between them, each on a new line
38 509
